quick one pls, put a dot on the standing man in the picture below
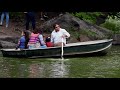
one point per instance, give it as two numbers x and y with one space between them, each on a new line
5 14
30 17
57 35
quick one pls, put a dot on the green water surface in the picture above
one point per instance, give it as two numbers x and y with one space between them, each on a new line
81 67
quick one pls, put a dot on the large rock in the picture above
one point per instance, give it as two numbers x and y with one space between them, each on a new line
8 41
66 21
116 39
6 44
83 38
12 39
70 22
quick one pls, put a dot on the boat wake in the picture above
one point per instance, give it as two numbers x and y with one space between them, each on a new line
59 59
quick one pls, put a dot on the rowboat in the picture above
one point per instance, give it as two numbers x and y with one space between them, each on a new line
71 49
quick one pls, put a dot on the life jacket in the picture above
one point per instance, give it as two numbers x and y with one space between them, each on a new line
34 38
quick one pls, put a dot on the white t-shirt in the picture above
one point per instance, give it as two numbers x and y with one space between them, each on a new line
57 36
41 39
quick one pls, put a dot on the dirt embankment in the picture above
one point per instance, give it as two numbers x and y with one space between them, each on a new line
9 36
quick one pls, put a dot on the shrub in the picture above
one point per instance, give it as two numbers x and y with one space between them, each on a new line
87 16
112 24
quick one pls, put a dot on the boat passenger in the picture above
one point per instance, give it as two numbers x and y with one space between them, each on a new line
22 43
57 35
33 40
36 40
42 43
48 42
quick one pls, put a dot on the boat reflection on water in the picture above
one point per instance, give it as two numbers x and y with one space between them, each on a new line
54 69
59 69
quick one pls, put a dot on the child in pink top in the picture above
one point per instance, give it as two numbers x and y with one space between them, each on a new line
34 40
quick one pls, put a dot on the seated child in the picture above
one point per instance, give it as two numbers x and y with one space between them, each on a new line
22 43
42 43
48 42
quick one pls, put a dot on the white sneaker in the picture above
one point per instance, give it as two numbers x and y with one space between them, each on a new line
41 19
0 24
6 26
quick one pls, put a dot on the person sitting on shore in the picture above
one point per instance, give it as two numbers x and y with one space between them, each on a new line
58 34
22 43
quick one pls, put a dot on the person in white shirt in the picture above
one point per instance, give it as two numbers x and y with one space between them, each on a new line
57 34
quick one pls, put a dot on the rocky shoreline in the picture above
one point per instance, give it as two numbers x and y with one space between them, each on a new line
10 36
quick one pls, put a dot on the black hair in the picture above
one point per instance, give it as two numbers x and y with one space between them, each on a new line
26 37
48 39
36 31
55 25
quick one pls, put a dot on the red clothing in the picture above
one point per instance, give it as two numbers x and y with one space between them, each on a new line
49 44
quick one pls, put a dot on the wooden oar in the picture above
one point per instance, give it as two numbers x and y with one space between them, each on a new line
62 50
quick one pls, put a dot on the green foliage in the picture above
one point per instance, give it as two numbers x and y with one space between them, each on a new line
75 34
112 24
114 14
87 16
87 32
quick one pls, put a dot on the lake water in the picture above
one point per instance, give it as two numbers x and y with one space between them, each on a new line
81 67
